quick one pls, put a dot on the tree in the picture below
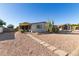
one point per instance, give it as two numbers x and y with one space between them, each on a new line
2 23
10 26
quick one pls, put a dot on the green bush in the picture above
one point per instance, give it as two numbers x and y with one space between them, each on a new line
22 31
55 29
25 30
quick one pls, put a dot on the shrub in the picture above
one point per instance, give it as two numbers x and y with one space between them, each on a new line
26 30
22 31
55 29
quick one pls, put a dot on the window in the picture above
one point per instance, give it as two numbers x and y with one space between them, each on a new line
39 26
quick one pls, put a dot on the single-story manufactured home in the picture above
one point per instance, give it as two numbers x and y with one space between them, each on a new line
33 27
38 27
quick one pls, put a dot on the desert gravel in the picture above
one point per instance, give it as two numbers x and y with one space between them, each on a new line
66 42
17 44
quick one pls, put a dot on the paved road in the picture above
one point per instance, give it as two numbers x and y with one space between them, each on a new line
21 45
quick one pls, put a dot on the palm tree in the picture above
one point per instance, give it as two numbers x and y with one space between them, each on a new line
2 23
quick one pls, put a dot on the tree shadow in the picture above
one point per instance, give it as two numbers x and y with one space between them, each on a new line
7 36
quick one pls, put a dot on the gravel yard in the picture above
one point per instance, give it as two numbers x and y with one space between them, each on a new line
66 42
17 44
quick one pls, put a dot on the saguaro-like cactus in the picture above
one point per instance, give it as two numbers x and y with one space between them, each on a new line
49 26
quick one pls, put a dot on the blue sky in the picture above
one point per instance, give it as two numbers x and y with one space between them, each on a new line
58 12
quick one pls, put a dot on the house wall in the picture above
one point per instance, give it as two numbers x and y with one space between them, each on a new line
35 29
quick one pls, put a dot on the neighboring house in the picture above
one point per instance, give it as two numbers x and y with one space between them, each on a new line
72 28
38 27
75 28
65 27
1 29
8 30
